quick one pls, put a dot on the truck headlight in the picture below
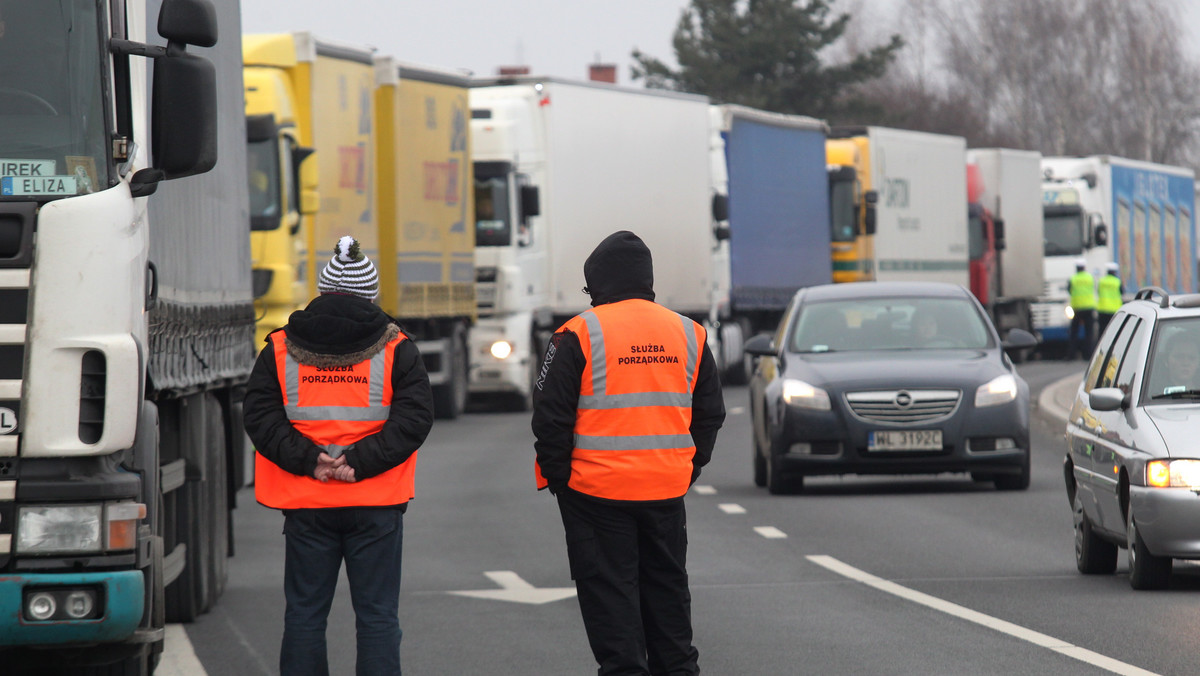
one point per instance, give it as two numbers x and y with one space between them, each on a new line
1069 312
800 393
1173 473
501 349
999 390
59 529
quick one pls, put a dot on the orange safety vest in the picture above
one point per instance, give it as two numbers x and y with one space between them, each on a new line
632 436
334 406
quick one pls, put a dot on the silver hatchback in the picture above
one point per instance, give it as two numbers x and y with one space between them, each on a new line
1132 466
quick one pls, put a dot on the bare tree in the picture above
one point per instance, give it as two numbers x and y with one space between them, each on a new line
1065 77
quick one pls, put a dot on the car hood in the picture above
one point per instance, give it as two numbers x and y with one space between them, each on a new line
1177 425
884 369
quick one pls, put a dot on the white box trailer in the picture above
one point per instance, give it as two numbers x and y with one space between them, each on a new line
559 166
624 159
921 213
1011 193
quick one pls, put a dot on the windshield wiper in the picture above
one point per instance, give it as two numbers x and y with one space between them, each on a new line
1179 394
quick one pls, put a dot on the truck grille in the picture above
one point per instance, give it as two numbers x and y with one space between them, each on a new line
903 407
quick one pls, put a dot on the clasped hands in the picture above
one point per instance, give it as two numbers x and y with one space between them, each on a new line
329 467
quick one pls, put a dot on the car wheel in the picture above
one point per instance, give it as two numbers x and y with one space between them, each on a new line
777 484
1014 482
760 463
1093 555
1146 571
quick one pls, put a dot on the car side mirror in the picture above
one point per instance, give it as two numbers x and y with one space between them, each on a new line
1106 399
1018 339
760 346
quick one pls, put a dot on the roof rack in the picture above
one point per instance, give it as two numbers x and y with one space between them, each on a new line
1148 293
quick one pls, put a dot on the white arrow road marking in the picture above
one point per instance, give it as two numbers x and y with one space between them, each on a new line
514 589
1014 630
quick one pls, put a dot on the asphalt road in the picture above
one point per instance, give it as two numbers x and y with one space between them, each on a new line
897 575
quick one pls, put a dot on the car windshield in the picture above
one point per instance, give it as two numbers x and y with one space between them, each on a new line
1175 361
889 324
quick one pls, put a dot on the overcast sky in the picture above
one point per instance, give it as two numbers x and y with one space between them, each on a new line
553 37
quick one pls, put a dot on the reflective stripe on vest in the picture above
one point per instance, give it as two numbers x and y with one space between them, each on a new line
1109 296
1082 289
334 407
632 438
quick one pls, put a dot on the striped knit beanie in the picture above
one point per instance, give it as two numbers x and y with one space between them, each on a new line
349 272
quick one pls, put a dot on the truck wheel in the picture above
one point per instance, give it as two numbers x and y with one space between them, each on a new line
450 399
217 493
188 595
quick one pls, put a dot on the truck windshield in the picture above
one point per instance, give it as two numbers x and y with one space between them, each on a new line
841 210
1064 233
263 172
492 212
53 142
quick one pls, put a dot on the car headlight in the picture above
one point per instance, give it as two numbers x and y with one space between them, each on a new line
1000 390
45 529
800 393
1173 473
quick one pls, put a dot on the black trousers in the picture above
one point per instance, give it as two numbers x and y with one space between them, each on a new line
628 561
1085 319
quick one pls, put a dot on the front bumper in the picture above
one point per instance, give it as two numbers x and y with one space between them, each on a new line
836 442
122 594
1168 519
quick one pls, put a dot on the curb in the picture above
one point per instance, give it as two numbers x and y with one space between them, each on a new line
1057 397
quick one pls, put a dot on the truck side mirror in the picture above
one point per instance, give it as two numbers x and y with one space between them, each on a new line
306 173
998 232
530 202
870 199
184 128
1101 235
720 207
192 22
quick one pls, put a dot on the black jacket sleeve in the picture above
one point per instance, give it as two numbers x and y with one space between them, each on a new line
267 423
708 411
409 420
555 400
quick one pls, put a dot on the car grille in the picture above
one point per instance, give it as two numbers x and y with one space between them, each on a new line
900 407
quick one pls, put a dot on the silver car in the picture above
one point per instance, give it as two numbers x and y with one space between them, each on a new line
1132 466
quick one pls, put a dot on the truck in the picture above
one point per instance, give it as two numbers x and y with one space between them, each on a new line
1006 233
357 143
777 232
1103 209
125 325
559 166
898 205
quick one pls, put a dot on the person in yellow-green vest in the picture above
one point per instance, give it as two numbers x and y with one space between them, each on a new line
1082 290
1108 296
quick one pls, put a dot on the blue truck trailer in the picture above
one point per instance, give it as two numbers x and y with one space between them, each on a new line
776 239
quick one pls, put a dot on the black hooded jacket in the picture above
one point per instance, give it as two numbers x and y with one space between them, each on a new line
340 330
620 268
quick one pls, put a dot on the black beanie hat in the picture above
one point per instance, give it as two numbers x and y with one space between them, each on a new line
619 267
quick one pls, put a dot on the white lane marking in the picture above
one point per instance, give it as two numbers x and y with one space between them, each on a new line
178 657
770 532
699 489
515 589
731 508
1014 630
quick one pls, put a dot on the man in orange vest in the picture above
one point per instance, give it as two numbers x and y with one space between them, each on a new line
627 406
336 406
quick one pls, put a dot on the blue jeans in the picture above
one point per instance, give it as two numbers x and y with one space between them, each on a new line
370 540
